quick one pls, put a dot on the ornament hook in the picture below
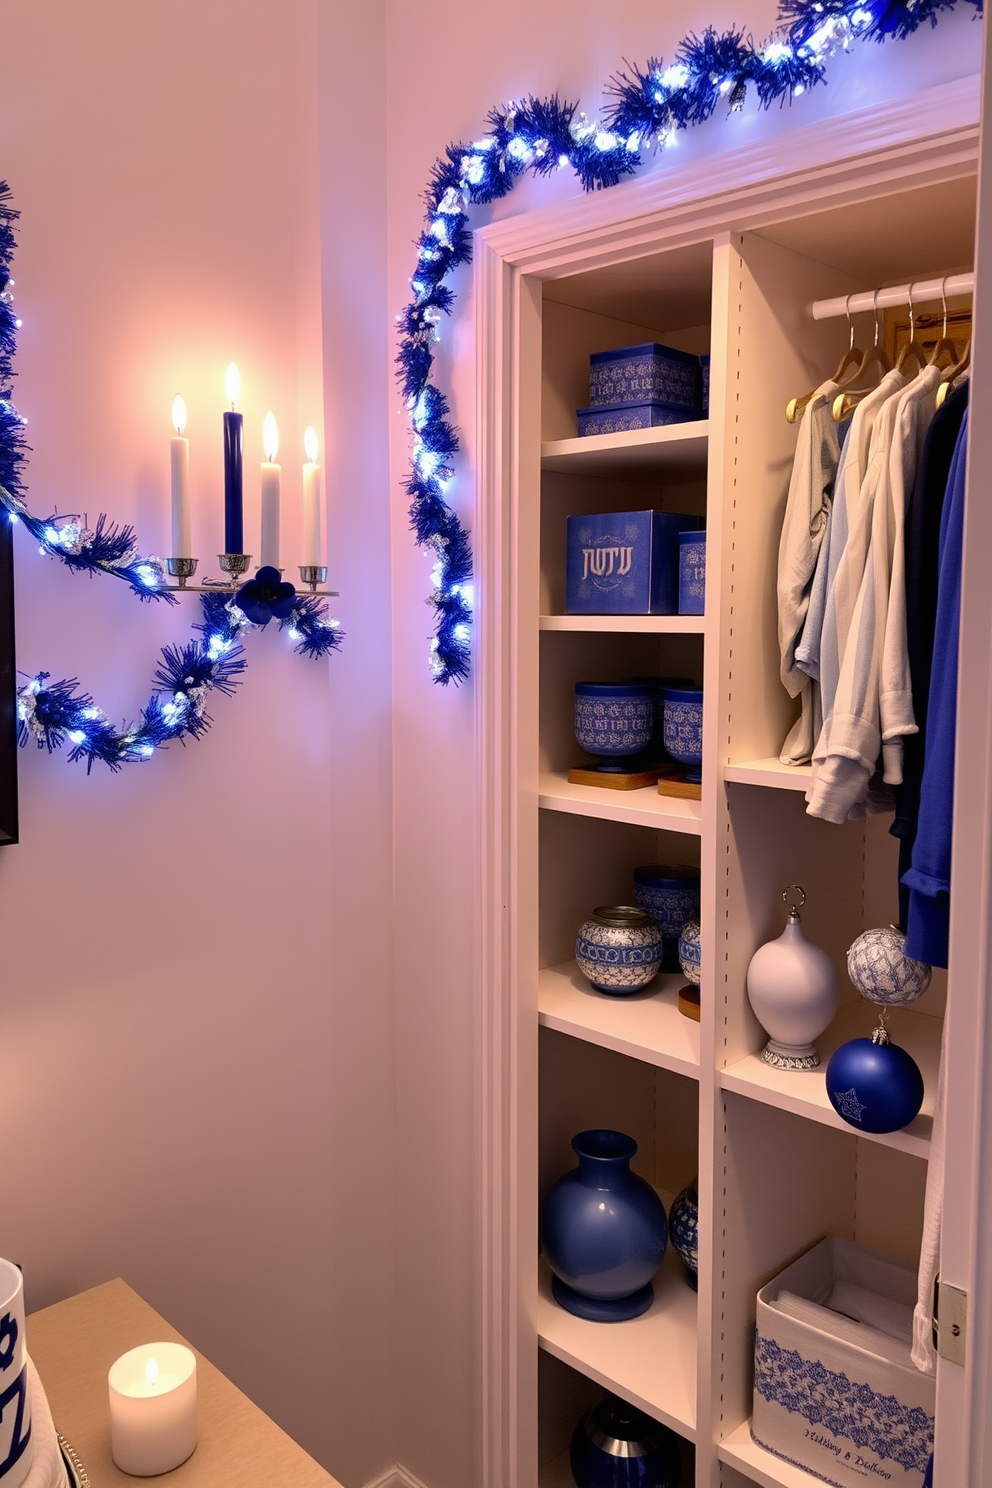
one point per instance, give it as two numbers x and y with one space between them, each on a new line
794 908
881 1034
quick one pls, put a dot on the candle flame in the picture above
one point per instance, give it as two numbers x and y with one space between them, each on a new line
270 437
151 1371
310 444
179 414
232 384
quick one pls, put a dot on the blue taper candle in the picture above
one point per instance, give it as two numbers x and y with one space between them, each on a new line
234 531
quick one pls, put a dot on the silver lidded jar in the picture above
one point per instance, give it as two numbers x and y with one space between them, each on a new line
619 948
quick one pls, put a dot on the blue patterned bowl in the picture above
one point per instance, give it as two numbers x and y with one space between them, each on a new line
619 949
613 720
880 969
683 1230
669 893
683 728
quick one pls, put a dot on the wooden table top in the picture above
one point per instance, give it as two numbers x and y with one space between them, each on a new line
74 1344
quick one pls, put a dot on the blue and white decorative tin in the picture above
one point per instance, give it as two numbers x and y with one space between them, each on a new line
619 949
622 418
669 893
624 563
683 728
16 1444
613 720
880 969
646 373
692 573
690 952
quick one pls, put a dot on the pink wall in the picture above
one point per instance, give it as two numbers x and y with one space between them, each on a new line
447 66
195 1006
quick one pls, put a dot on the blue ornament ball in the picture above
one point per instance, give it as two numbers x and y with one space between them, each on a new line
874 1087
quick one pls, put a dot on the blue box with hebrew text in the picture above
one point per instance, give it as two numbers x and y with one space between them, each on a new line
624 563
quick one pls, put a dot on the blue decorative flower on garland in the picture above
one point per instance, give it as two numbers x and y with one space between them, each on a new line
54 714
266 597
647 109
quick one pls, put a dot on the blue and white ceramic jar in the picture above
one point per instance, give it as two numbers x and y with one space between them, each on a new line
683 728
656 749
683 1229
613 720
615 1445
669 893
690 952
692 573
603 1231
619 948
880 969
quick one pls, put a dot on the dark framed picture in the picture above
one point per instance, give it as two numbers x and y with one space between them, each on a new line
8 691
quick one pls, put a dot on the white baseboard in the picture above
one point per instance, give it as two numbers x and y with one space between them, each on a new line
396 1477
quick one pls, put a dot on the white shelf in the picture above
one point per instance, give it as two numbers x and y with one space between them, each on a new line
650 1361
804 1092
641 808
556 1474
739 1451
627 624
647 1026
770 772
677 450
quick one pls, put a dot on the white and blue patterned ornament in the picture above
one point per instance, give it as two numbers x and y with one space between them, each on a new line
619 948
881 971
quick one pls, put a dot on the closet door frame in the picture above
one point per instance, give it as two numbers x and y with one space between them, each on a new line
855 157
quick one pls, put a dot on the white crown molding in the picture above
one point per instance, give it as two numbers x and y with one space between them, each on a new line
831 161
396 1477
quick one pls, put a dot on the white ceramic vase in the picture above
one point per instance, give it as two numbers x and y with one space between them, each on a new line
793 988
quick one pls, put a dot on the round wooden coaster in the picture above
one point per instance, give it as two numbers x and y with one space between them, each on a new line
689 1002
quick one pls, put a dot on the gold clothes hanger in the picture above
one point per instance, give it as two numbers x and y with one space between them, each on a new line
851 358
846 402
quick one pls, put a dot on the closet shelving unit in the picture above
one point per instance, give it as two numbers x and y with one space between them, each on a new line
777 1168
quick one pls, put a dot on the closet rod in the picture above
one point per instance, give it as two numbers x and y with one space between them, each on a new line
896 294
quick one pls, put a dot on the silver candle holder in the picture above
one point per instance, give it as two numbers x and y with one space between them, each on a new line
182 569
234 567
313 575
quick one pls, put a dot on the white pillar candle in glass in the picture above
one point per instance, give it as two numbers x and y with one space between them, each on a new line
152 1408
312 516
271 476
182 538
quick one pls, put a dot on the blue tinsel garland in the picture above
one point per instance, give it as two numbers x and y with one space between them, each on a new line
53 713
647 108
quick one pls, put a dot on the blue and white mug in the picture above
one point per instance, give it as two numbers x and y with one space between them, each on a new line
683 726
16 1447
669 893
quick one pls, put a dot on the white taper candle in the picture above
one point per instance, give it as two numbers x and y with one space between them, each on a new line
182 535
312 516
271 479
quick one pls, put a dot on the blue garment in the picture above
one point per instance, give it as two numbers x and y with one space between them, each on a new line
929 879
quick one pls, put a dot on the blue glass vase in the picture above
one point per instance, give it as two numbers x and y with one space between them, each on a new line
683 728
669 893
603 1231
615 1445
614 720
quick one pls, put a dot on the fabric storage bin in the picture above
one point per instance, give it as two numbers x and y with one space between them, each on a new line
641 374
619 418
624 563
836 1396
